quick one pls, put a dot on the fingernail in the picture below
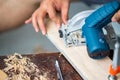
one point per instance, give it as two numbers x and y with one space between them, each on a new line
58 26
65 22
36 30
114 20
26 22
43 32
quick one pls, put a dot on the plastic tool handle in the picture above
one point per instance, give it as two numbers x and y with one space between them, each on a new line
103 15
92 30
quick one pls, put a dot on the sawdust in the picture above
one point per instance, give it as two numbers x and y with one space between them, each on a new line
21 68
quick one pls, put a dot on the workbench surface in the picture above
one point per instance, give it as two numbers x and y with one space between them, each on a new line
46 64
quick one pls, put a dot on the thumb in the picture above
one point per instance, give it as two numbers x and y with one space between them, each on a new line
28 21
116 17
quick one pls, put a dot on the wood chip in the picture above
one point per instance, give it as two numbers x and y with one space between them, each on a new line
22 68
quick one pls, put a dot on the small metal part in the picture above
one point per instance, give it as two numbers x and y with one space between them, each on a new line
71 32
110 77
116 60
116 57
60 33
59 73
110 35
72 35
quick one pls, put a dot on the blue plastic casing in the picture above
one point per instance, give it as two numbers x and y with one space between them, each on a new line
92 30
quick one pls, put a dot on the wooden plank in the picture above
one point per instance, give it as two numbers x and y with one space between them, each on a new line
88 68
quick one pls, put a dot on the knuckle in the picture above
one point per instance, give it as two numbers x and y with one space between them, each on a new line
33 15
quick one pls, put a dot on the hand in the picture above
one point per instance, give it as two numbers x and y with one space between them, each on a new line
116 17
49 7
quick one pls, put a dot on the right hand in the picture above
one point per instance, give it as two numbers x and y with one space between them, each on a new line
49 7
116 17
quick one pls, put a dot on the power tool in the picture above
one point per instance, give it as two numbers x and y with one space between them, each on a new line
87 28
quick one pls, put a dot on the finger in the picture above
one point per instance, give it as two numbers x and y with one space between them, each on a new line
64 11
35 23
28 21
116 17
42 25
40 20
53 16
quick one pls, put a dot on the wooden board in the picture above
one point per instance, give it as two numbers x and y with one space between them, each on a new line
88 68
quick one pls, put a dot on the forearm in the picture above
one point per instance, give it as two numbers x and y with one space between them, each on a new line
13 13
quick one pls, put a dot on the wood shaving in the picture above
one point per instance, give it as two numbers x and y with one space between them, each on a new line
21 68
60 55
